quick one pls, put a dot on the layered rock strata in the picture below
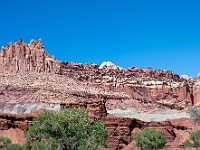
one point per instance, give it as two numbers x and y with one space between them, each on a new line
162 88
22 57
29 74
120 130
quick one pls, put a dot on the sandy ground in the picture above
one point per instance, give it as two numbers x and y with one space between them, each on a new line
156 115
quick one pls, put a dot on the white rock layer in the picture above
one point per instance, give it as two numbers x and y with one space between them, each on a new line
109 65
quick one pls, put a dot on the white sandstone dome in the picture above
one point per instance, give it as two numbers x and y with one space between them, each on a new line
109 65
186 77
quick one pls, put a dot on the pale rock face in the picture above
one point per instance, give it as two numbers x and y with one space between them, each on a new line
198 76
109 65
186 77
155 86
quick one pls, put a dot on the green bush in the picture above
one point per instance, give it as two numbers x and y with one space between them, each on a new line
149 139
194 140
188 144
69 129
5 144
14 147
195 137
194 113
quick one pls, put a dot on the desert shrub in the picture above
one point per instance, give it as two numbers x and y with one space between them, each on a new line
195 137
69 129
5 144
194 140
149 139
194 113
188 144
15 147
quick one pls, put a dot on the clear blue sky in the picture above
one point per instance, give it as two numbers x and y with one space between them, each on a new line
162 34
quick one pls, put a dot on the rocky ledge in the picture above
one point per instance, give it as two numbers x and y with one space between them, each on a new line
28 74
120 129
121 88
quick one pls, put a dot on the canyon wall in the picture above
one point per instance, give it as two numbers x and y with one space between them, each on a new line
120 130
29 74
163 88
22 57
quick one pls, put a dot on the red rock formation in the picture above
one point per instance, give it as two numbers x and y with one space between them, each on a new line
120 130
96 108
15 134
21 57
144 85
15 126
27 72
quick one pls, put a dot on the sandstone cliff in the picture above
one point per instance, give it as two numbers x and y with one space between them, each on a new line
22 57
162 88
120 130
29 74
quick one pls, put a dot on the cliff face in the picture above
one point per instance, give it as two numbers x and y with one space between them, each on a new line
29 74
15 126
162 88
22 57
120 130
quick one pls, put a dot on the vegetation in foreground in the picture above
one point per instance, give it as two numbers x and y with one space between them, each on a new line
149 140
194 140
194 113
5 144
69 129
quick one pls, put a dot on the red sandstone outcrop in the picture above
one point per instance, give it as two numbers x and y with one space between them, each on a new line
15 126
176 132
163 88
145 85
28 73
120 130
196 91
22 57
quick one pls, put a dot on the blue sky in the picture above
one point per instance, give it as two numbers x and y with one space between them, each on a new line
162 34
